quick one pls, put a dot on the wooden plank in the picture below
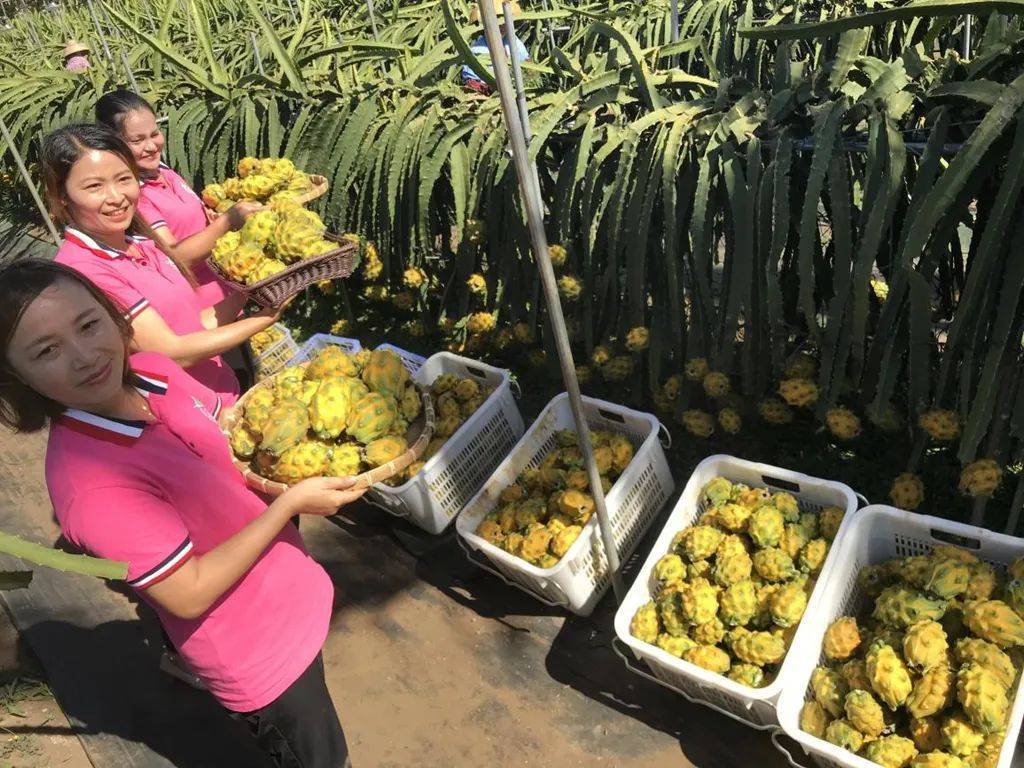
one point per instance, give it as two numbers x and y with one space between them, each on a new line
100 659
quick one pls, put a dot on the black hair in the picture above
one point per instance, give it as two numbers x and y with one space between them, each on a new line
112 108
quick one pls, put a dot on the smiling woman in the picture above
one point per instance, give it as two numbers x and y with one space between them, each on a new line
167 203
92 185
130 437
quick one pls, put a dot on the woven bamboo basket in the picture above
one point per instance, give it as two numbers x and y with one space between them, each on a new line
319 189
419 434
335 264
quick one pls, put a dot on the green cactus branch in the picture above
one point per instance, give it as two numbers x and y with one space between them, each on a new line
62 561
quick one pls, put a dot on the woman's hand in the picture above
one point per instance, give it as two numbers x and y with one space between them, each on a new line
239 212
320 495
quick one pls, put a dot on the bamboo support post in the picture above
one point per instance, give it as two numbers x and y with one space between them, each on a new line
517 77
373 19
27 178
256 53
99 32
527 174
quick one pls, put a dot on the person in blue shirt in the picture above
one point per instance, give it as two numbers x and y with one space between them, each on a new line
470 79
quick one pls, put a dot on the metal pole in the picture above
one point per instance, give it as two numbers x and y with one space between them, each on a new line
517 76
256 53
27 178
373 19
535 220
131 75
99 31
967 37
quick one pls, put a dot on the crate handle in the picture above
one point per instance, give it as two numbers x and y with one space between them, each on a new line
862 499
611 416
787 485
401 512
952 538
778 745
631 665
513 384
665 436
480 562
478 372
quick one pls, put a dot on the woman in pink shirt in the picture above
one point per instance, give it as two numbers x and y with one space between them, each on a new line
92 187
167 203
139 472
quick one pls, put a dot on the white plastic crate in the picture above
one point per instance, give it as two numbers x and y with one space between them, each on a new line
581 577
753 706
277 355
453 475
880 533
318 341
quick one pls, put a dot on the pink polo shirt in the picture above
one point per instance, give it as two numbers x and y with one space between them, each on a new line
154 494
143 277
168 201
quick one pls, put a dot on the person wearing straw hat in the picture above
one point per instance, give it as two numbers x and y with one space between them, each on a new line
76 56
471 80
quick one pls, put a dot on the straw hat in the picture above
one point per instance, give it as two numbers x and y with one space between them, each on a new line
474 15
74 47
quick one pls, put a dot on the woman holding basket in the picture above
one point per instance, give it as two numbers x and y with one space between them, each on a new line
92 186
139 471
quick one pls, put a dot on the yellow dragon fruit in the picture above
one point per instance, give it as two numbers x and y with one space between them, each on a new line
798 393
749 675
891 751
982 582
855 674
864 713
759 648
774 411
670 611
973 650
925 645
307 459
843 423
698 423
677 646
907 491
730 421
669 568
384 449
940 424
936 759
980 478
240 262
257 187
813 719
564 539
888 675
709 633
1016 570
346 460
700 542
719 490
638 339
842 733
259 228
842 638
738 603
932 693
829 690
248 166
732 517
995 621
698 602
983 698
899 607
329 362
213 195
285 428
947 578
812 556
959 736
371 417
788 604
385 373
793 539
709 657
732 569
329 409
716 384
244 440
265 270
765 527
772 564
570 287
829 521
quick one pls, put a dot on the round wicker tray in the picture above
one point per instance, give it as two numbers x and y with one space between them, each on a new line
319 189
335 264
419 434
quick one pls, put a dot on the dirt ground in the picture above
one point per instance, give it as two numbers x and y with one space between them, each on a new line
34 731
430 660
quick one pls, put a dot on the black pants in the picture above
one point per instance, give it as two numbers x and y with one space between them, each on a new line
300 728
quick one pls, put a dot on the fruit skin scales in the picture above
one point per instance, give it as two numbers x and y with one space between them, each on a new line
995 621
384 449
307 459
891 751
899 607
287 424
864 712
888 675
983 698
385 373
932 693
371 416
329 409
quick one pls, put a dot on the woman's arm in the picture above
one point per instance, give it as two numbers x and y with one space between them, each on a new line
152 334
225 311
190 591
195 248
